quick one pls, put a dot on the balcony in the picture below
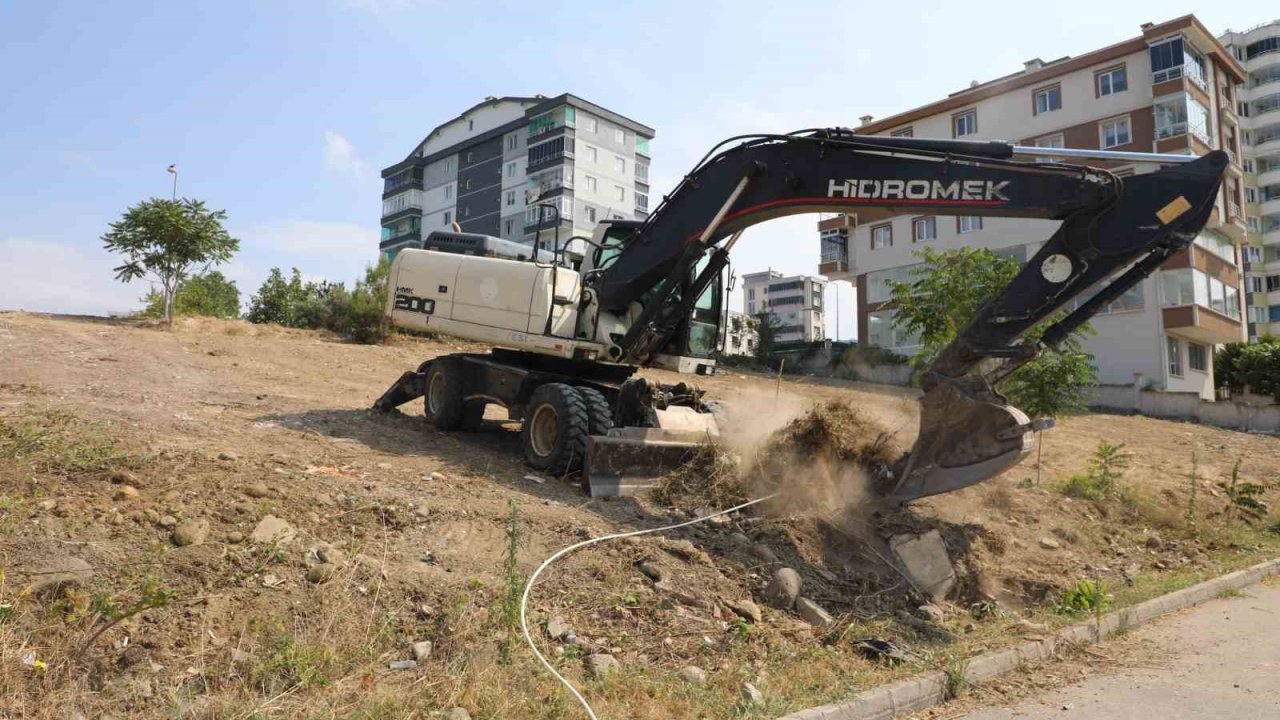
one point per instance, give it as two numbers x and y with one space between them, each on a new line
1201 324
834 268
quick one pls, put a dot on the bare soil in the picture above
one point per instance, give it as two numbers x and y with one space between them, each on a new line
221 424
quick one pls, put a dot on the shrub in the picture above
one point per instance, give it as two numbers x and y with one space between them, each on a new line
1255 365
1101 478
1084 597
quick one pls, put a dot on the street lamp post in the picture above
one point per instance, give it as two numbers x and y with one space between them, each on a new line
173 170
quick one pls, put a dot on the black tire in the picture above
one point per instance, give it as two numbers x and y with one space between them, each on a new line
473 414
555 429
442 394
599 412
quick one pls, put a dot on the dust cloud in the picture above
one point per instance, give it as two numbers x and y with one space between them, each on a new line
748 419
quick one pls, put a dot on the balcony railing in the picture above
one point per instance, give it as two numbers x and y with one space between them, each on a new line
1233 209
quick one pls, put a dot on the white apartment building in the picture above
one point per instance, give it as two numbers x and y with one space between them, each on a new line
794 304
1258 109
1170 89
489 168
740 336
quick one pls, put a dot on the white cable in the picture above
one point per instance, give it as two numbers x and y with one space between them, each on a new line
524 599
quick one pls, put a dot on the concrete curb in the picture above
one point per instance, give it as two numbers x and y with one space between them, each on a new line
928 689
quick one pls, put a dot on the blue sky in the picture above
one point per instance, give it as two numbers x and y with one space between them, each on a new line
282 112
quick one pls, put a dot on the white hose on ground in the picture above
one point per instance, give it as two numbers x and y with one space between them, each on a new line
524 599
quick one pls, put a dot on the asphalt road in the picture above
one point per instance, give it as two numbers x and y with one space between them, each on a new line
1222 662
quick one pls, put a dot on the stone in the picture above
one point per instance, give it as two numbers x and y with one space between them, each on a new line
558 628
235 536
783 589
167 521
765 554
124 477
115 518
228 456
58 574
747 610
925 560
437 477
693 675
740 540
813 613
600 665
190 532
1032 627
1154 543
126 492
240 657
403 665
274 530
422 650
257 490
931 612
324 499
47 505
457 713
650 571
681 596
330 554
151 515
1049 543
319 573
751 694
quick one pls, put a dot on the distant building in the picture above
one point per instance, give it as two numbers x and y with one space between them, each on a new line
794 304
487 168
740 336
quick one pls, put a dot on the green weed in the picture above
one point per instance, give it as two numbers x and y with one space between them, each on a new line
1084 597
1101 479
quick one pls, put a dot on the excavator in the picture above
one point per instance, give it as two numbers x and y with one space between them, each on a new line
569 335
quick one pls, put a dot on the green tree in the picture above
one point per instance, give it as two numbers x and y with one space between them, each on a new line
1253 365
209 294
949 288
766 334
278 300
365 321
169 241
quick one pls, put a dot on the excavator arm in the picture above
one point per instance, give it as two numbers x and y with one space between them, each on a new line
1113 232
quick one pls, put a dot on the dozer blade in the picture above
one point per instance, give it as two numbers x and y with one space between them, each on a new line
628 460
968 434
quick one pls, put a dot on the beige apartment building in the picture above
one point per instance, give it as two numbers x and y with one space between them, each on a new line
1170 89
1258 109
794 304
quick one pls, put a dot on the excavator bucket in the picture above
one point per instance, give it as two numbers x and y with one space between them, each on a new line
627 460
968 434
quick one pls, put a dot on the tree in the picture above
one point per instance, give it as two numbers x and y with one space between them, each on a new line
168 241
766 332
365 317
278 299
210 294
949 288
1253 365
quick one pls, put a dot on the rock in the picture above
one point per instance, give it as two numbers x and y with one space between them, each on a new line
765 554
693 675
681 596
1032 627
58 574
126 492
931 612
168 521
422 650
437 477
115 518
47 505
151 515
988 587
457 713
1154 543
747 610
925 560
228 456
600 665
330 554
558 628
1049 543
274 530
783 589
751 694
257 490
124 477
740 540
324 499
235 536
970 627
813 613
650 571
240 657
319 573
191 532
403 665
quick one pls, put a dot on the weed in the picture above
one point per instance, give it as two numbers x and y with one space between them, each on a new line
957 683
59 441
1244 499
985 609
289 664
151 595
1229 593
1191 501
1086 596
1274 528
514 582
1101 478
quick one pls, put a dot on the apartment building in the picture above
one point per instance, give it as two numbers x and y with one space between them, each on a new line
489 169
740 336
1170 89
1258 110
794 304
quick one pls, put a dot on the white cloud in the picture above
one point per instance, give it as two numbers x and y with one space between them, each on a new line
64 278
335 251
340 155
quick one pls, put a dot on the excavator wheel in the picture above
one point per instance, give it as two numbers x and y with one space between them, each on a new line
555 429
599 412
443 391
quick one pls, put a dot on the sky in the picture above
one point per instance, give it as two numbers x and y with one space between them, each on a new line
283 112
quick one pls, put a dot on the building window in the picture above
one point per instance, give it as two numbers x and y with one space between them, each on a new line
965 123
642 172
592 155
471 125
511 169
1112 81
1167 59
620 165
903 132
881 236
448 191
1257 314
590 213
469 156
448 166
592 125
1254 283
1175 355
591 184
1252 253
622 193
1051 141
1251 195
1273 283
448 218
968 223
1115 133
511 198
1048 99
467 184
1197 357
1198 121
1273 313
924 229
620 136
751 293
642 201
1171 117
513 140
507 228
